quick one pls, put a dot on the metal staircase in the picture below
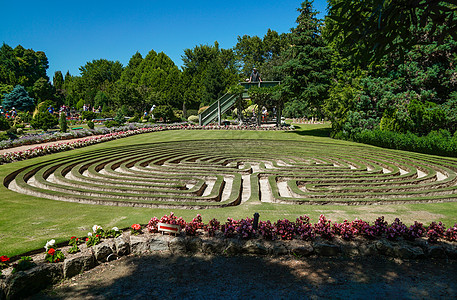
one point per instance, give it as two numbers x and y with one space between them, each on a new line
224 103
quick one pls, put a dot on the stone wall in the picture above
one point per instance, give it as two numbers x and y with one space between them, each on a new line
25 283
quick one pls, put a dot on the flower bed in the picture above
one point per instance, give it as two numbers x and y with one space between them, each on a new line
235 237
104 135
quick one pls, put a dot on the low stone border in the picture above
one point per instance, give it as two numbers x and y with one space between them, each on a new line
26 283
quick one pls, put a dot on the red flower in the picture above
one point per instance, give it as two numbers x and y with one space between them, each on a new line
87 239
136 227
51 251
97 235
4 258
73 237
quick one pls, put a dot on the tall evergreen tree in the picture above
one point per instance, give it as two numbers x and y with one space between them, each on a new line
307 66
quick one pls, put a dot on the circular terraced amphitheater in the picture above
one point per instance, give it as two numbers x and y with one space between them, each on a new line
218 173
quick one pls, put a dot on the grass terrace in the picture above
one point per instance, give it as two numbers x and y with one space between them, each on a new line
219 174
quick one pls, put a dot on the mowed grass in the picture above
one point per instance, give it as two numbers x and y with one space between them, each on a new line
27 222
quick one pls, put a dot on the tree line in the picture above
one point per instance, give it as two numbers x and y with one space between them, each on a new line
369 65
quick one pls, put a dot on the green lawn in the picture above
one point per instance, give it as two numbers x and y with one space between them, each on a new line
27 222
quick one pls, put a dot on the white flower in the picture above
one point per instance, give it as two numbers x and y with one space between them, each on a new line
50 244
116 229
89 234
96 227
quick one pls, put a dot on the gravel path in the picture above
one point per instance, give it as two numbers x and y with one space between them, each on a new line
246 277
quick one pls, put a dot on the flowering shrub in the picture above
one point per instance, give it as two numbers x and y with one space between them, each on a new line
435 231
74 241
285 229
212 227
245 229
345 230
152 225
267 230
451 234
229 228
173 220
415 231
92 239
304 228
53 255
4 260
396 229
324 228
112 233
136 229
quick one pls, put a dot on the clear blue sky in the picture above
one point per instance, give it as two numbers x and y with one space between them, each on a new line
72 33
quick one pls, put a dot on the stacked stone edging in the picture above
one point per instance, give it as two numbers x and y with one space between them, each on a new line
25 283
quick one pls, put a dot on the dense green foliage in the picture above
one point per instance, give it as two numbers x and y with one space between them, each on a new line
63 126
44 121
18 98
370 65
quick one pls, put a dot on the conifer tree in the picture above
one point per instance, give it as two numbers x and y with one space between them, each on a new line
307 66
18 98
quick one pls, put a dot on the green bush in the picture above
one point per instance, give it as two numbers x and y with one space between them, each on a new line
88 115
134 119
4 124
193 119
90 124
164 112
439 142
44 121
192 112
63 122
112 123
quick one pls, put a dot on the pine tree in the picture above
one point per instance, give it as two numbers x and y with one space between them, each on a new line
307 68
18 98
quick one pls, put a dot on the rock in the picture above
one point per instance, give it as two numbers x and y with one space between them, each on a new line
194 244
278 248
436 251
160 243
178 245
325 249
121 246
407 251
101 251
367 249
213 246
233 247
384 247
255 247
301 248
25 283
139 244
77 265
451 250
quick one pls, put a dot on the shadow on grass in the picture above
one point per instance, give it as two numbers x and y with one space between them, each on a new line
305 130
166 276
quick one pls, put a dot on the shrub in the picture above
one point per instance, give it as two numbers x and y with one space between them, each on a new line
44 121
4 124
304 228
112 123
134 119
245 228
63 122
267 230
212 227
152 225
202 109
193 119
90 124
396 229
229 228
324 228
88 115
164 112
435 231
285 229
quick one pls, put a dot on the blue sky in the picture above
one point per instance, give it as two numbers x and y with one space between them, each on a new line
72 33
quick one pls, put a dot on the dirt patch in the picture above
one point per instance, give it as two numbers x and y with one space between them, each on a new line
164 276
